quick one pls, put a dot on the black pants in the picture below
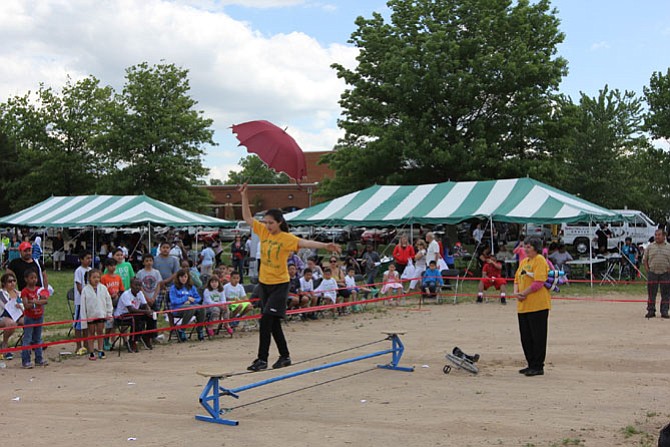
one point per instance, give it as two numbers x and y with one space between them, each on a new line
533 330
271 328
273 308
653 280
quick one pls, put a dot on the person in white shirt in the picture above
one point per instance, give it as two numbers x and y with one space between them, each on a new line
133 306
234 293
433 252
214 296
478 234
96 307
207 257
80 281
307 290
328 287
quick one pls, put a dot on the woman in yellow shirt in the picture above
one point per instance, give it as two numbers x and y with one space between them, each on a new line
533 304
273 281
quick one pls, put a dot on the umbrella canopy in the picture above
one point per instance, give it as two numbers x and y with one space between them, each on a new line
107 211
521 200
274 146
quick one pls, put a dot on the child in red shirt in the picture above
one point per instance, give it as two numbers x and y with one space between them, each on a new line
114 284
34 300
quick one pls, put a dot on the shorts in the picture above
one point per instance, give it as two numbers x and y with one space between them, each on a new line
273 298
242 306
97 321
77 315
59 256
493 282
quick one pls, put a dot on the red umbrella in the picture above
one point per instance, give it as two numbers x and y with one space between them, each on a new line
274 146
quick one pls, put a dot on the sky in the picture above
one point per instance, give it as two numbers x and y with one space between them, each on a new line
270 59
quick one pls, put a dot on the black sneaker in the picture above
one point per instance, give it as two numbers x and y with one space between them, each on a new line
282 362
503 300
534 372
665 315
258 365
524 370
480 299
650 314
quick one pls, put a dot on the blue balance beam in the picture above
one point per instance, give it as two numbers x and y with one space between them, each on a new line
210 396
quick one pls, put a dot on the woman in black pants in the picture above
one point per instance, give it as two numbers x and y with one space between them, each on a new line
273 281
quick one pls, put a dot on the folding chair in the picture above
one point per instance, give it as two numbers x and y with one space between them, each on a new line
125 325
70 306
450 273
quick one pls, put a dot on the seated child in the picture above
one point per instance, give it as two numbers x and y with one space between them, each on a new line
391 281
214 296
492 277
295 298
234 293
307 291
432 277
350 281
328 287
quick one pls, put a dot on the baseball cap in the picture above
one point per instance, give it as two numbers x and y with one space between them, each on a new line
25 246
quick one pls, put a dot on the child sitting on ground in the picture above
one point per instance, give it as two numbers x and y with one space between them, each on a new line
215 297
391 281
234 293
432 277
96 308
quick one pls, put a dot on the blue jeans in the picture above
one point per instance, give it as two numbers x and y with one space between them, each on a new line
32 336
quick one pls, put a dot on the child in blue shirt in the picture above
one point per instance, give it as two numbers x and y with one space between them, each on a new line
430 280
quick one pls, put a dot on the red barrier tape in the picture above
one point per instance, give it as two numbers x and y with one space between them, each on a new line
290 312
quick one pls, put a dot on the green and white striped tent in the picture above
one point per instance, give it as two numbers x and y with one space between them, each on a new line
522 200
107 211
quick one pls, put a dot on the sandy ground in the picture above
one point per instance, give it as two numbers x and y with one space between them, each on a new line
606 384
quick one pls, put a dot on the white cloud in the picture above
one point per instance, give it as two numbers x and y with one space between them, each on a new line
602 45
236 73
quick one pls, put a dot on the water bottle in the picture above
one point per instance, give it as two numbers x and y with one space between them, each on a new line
20 303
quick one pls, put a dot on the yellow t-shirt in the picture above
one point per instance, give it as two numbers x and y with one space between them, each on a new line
531 270
275 250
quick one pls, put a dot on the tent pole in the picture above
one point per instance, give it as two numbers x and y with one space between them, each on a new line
493 251
150 247
93 246
590 254
43 247
196 247
411 234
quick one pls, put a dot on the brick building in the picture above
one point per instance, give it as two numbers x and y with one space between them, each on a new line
289 197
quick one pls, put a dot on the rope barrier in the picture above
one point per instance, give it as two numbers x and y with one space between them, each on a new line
318 308
227 410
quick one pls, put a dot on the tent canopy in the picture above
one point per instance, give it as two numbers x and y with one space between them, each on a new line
522 200
107 211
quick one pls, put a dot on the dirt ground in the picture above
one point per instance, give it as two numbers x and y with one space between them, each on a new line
606 384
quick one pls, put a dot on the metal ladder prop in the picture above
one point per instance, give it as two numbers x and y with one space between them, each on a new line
211 394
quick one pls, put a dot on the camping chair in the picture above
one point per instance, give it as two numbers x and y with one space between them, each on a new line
449 273
70 306
126 326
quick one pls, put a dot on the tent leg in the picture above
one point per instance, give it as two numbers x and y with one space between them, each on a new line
149 232
590 257
93 246
493 250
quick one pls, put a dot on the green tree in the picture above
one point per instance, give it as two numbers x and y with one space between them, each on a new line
215 182
159 138
657 94
255 172
56 138
603 149
447 89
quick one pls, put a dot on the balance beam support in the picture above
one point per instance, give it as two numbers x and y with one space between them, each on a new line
211 394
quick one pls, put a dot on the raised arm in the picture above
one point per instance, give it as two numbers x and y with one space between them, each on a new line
246 211
330 246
